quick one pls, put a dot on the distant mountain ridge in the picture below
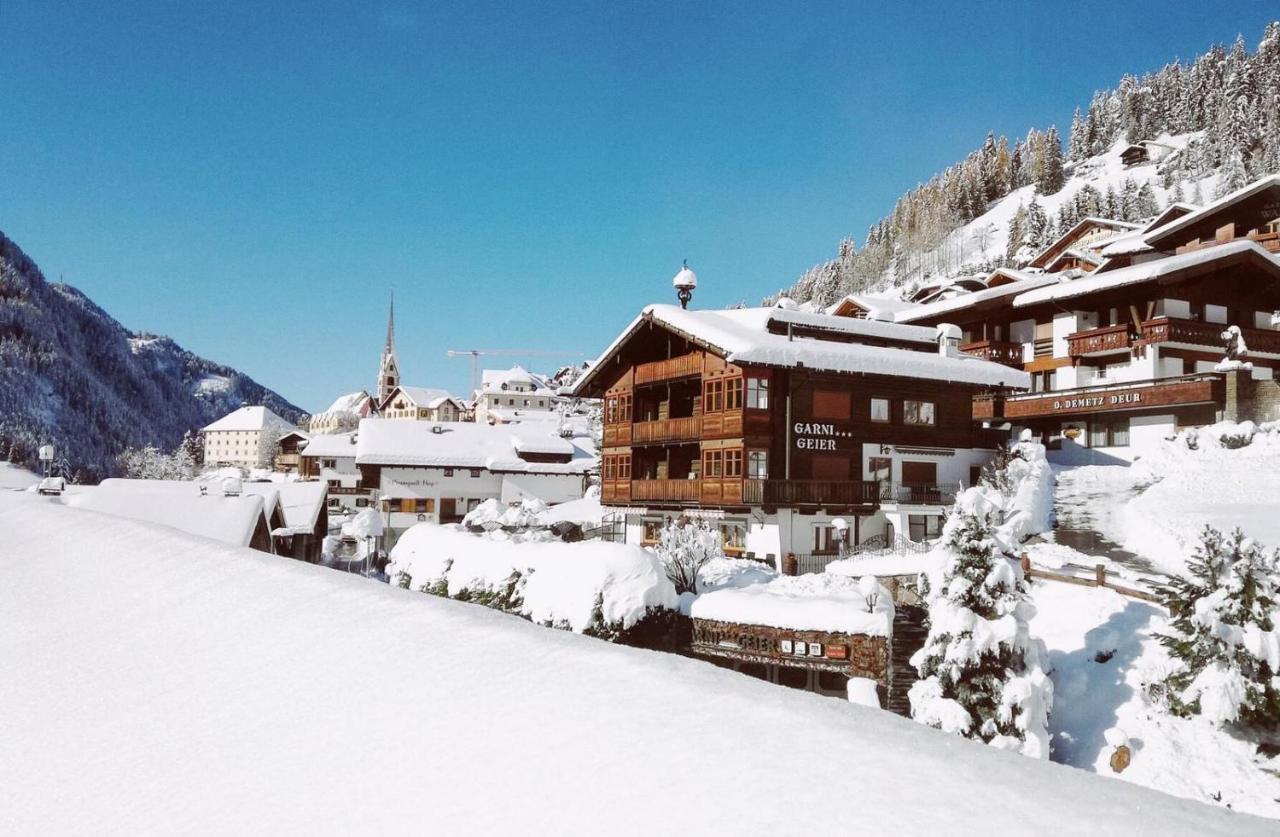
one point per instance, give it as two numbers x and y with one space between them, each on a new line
1005 201
70 374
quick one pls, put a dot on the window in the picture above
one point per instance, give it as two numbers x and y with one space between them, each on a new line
824 540
624 466
407 505
733 463
475 473
1109 434
828 404
713 463
713 397
757 393
624 408
880 469
880 409
733 394
758 465
610 468
448 472
361 502
918 412
652 531
733 536
328 463
922 527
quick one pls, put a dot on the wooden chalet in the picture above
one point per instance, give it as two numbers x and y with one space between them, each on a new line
776 421
1078 247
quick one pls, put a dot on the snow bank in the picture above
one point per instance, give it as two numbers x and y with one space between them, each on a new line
179 681
552 583
16 478
814 602
1226 475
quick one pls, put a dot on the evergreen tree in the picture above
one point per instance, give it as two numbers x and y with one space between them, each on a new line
1035 228
1145 203
1232 176
1220 633
967 666
1014 243
1078 142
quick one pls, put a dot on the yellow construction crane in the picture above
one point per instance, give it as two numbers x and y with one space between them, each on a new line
475 354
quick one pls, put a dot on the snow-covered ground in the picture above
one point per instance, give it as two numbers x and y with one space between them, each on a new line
1101 651
156 682
1158 506
15 478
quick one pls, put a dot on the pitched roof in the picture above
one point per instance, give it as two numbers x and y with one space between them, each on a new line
877 307
1149 271
1024 282
352 402
300 501
251 419
429 397
1063 241
331 445
742 336
1161 235
177 504
491 379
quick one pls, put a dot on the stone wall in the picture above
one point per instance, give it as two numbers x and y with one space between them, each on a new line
855 655
1250 400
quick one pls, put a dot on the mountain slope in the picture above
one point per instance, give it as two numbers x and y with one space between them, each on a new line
71 375
1221 110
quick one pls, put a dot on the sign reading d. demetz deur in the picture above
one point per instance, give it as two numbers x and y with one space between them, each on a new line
816 435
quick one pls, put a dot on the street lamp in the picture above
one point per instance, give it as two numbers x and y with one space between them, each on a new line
841 527
684 283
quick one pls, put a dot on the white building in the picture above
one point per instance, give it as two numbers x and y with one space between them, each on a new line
439 472
421 404
508 395
331 458
245 438
343 415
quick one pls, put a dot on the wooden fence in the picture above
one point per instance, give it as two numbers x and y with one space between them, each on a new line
1099 580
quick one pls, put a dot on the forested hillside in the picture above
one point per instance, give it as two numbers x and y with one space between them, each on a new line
1006 200
71 375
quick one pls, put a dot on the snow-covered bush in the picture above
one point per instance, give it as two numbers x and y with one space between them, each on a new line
491 515
982 674
591 587
684 548
1221 633
151 463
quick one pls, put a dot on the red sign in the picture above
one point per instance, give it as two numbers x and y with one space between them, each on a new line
837 652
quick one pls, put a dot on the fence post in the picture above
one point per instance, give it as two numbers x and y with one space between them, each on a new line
1026 565
1100 574
789 566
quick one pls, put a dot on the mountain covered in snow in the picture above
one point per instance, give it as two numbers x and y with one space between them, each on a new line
1211 125
72 375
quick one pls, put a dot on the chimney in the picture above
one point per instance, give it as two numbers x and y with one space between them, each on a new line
948 340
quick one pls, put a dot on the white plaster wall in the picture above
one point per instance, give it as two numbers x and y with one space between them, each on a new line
550 488
1024 332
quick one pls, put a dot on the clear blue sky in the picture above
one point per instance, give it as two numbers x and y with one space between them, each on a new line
253 179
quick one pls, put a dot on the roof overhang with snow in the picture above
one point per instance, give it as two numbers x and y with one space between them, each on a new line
1046 256
1263 193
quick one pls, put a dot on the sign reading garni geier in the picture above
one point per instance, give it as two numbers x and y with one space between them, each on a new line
821 436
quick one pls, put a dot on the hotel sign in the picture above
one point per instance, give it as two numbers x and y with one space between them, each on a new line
1174 392
820 436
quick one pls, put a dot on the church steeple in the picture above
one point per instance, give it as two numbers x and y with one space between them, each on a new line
389 367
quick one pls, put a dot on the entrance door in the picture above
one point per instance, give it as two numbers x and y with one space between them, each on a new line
920 482
449 510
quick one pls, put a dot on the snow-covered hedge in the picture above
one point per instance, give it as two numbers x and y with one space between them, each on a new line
587 587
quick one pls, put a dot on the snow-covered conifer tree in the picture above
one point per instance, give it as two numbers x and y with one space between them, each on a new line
982 674
1221 634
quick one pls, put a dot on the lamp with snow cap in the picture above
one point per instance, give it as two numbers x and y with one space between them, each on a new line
684 283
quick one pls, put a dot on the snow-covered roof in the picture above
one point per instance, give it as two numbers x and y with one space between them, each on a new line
742 336
1024 282
1155 237
495 378
1063 241
462 444
300 502
814 602
877 307
429 397
177 504
352 402
251 419
331 445
877 329
1145 272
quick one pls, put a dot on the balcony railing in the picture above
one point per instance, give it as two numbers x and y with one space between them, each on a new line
1099 340
917 494
1197 333
685 366
996 351
667 430
616 435
810 492
1269 241
674 491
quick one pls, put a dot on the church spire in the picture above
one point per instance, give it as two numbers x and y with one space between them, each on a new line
389 367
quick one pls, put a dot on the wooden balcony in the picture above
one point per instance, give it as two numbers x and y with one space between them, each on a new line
685 366
1204 388
1268 240
1196 333
810 493
996 351
617 435
725 425
667 430
1097 341
670 491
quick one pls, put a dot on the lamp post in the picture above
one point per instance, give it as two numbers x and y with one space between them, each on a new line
841 527
684 282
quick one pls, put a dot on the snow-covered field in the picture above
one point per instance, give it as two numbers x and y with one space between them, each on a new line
16 479
1158 506
1101 650
155 682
